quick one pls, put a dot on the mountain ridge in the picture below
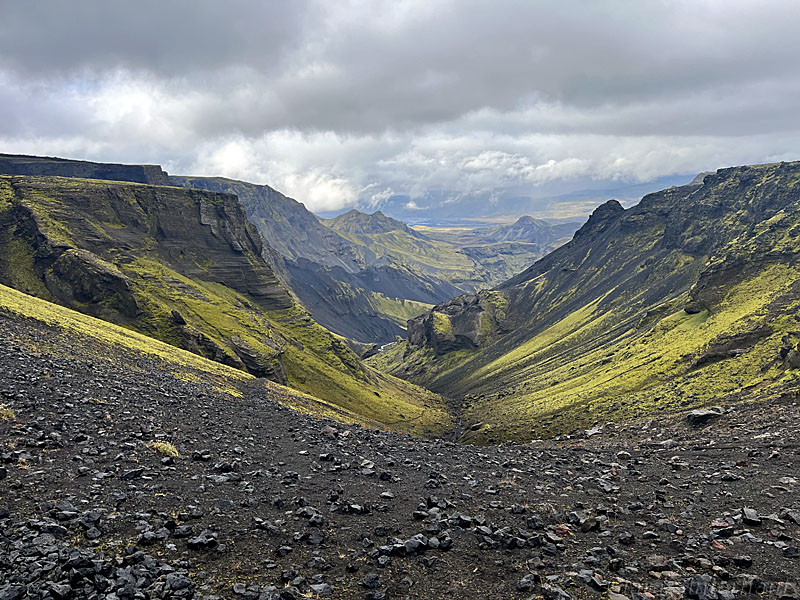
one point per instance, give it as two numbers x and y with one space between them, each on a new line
630 304
360 274
22 164
284 223
186 267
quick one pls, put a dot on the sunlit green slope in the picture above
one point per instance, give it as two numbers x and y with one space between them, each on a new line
186 267
692 297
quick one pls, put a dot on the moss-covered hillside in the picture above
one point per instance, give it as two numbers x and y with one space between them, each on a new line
692 297
186 267
363 275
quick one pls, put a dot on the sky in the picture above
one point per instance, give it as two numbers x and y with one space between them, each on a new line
350 103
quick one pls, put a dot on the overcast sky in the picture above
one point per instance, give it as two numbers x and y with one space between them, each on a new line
338 102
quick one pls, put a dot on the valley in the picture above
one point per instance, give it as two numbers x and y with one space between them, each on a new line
363 276
204 393
685 299
644 310
419 300
131 468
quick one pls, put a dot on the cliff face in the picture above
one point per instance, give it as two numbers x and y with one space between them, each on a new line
285 224
186 267
125 252
199 234
16 164
627 310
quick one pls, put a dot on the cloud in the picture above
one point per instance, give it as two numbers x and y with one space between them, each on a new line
352 102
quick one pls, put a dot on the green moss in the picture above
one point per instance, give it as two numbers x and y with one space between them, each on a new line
397 309
639 373
496 302
164 449
487 325
106 341
324 367
107 334
17 265
388 359
442 324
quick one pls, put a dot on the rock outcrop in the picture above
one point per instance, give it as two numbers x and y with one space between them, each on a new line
17 164
463 323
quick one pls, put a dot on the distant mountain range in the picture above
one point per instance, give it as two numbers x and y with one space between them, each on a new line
438 207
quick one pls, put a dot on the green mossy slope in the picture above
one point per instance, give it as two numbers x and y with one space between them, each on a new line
690 298
107 341
186 267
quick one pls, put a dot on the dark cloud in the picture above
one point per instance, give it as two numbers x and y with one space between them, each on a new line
343 101
176 38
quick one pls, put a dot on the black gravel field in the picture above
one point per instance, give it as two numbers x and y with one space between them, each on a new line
266 503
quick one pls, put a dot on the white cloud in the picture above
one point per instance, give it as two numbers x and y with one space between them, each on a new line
353 102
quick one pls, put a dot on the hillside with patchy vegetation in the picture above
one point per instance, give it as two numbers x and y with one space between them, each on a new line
689 298
186 267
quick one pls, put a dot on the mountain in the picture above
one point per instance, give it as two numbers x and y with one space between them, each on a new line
285 224
18 164
505 250
525 229
359 223
385 242
185 267
688 298
468 259
363 275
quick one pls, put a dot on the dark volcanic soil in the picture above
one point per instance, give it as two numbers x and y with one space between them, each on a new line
267 503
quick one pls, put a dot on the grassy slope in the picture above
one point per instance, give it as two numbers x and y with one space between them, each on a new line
600 333
294 232
397 309
316 361
432 257
640 371
107 339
